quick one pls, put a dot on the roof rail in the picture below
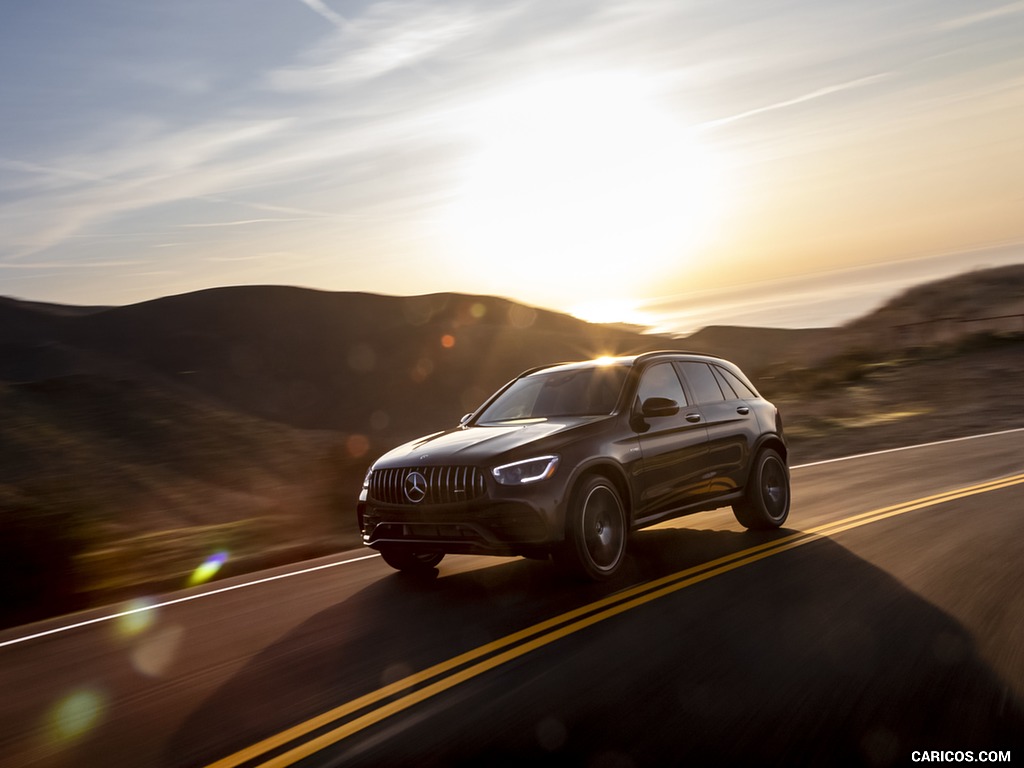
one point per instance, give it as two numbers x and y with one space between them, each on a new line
631 358
661 352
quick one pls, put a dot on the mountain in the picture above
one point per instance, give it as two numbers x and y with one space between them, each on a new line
304 358
318 360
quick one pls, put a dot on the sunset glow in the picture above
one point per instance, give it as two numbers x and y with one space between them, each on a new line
613 311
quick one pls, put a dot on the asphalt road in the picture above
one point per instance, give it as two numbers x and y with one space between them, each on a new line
887 618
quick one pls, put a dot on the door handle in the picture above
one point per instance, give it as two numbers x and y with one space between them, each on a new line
693 418
743 410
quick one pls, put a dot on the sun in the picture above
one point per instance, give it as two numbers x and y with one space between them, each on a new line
611 310
584 185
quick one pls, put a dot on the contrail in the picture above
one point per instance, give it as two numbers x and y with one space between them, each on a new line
977 18
798 100
245 222
320 7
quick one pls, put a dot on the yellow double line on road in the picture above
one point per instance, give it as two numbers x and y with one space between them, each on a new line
389 700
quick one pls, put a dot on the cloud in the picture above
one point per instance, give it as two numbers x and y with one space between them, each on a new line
150 169
72 264
390 37
38 173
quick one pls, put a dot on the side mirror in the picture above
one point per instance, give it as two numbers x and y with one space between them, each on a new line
654 407
465 419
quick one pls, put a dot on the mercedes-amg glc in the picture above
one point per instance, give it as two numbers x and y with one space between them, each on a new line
565 460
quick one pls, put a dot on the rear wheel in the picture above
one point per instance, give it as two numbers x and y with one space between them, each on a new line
410 561
765 505
596 531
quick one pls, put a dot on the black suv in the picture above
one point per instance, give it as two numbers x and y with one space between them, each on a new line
565 460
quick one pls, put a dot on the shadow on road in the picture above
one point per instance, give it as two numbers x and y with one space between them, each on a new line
811 656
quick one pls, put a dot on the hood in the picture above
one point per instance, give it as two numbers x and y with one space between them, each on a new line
475 444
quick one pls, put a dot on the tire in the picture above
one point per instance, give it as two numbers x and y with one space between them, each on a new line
410 561
765 504
596 531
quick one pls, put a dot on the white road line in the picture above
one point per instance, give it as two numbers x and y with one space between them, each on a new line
906 448
121 614
186 599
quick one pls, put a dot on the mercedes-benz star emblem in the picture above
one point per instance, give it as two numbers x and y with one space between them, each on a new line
415 487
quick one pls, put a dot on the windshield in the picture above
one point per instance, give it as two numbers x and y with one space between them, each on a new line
589 391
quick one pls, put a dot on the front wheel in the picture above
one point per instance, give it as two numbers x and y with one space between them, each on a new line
595 543
765 504
410 561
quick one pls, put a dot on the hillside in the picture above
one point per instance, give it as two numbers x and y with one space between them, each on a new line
943 359
984 302
138 441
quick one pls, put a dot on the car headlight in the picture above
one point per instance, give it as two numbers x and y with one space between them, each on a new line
527 471
366 480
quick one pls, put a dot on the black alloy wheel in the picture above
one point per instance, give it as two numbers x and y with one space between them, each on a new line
765 504
596 535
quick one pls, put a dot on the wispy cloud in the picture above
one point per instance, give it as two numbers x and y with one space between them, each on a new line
390 37
39 171
76 191
72 264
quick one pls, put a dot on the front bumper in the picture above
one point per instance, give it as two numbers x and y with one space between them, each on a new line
486 526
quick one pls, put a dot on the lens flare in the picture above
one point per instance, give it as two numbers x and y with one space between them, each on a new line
137 617
208 569
155 654
357 446
77 714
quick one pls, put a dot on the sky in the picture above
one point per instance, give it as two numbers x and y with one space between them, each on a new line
668 163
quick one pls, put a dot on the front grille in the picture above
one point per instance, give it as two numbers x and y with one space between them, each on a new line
444 485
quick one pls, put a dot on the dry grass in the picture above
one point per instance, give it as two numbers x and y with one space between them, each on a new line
954 393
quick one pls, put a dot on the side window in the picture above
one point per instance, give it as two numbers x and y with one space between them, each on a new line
727 389
661 381
742 390
702 381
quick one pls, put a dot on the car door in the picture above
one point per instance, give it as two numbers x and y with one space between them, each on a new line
673 445
731 425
